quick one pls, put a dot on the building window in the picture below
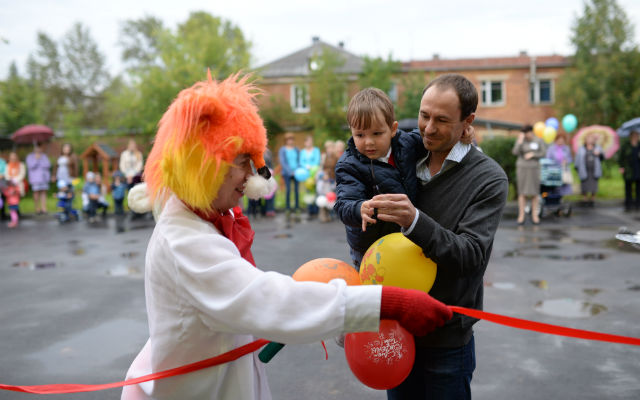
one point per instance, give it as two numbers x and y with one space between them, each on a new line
393 93
300 98
492 93
541 91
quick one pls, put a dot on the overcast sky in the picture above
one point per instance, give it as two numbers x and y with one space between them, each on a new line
406 29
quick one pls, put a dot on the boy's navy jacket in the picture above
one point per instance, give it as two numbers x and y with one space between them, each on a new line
359 178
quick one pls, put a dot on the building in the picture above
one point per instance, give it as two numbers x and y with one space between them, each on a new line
514 91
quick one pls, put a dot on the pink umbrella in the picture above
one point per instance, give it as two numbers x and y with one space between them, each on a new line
32 133
608 139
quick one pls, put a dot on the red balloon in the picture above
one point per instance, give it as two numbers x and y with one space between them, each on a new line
331 196
381 360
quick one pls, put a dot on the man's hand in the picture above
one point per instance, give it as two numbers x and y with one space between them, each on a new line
468 135
368 215
394 208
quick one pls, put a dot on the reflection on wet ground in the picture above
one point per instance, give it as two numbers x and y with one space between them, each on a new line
33 265
501 285
591 291
282 236
121 270
569 308
558 257
540 284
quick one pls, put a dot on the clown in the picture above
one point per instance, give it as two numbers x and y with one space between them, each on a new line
204 294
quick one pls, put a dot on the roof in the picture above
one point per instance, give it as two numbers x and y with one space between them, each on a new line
297 64
521 61
104 150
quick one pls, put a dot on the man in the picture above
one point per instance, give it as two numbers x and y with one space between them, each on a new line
460 199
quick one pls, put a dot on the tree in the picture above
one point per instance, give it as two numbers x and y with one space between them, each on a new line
73 80
378 73
20 102
328 92
602 86
162 62
409 103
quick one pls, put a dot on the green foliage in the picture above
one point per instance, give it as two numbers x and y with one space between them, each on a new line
603 86
72 80
328 95
499 148
161 62
377 73
409 103
20 103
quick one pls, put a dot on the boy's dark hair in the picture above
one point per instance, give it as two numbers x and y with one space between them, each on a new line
364 107
527 128
467 93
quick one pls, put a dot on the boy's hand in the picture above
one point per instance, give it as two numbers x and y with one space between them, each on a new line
368 215
468 135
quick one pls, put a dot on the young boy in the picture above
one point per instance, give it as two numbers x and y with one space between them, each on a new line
379 159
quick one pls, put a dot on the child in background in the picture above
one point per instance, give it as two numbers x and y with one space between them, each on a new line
324 186
101 201
379 159
90 195
118 190
65 201
12 194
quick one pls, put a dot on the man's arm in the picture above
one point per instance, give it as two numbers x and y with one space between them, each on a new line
469 245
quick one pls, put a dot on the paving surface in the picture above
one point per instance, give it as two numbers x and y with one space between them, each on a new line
72 307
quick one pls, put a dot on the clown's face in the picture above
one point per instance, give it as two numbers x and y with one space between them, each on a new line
232 189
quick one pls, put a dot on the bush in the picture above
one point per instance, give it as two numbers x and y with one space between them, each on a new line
499 148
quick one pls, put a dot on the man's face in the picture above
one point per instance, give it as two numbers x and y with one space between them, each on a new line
439 119
375 141
232 189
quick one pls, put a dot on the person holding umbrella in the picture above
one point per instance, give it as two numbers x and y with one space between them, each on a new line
39 173
629 162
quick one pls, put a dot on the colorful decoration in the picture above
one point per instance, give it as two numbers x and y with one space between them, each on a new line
552 122
383 359
301 174
326 269
549 134
569 123
538 128
608 139
394 260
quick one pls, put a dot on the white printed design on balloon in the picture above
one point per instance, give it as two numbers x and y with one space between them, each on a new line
387 349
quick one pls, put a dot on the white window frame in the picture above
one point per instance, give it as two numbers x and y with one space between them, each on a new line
487 89
534 89
300 104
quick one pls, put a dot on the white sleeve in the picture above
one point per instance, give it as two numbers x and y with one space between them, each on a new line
236 297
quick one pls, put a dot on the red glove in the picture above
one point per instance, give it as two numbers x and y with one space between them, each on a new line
415 310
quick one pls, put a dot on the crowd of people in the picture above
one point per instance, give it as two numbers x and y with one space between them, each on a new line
37 175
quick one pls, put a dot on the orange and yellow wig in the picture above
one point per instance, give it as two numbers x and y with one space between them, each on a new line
205 128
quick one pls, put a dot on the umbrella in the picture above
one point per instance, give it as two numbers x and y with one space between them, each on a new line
32 133
629 126
608 139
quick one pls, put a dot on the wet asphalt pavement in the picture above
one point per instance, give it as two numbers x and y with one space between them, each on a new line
72 307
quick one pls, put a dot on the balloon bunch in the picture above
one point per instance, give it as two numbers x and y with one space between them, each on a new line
548 130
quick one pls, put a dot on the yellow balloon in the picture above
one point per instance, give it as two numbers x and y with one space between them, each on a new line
538 128
394 260
549 134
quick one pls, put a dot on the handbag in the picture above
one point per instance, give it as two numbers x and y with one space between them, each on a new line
567 176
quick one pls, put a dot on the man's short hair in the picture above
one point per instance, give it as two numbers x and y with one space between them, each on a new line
365 106
467 93
527 128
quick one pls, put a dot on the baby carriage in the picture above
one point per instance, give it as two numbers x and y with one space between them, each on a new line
65 195
551 190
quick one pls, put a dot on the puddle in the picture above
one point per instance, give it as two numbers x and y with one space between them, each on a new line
501 285
31 265
622 245
634 288
558 257
121 270
282 236
591 292
569 308
540 284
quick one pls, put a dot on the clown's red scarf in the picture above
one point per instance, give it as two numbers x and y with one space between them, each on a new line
235 227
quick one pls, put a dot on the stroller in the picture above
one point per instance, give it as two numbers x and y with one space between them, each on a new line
65 195
551 190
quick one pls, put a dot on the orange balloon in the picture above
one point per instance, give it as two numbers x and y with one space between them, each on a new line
326 269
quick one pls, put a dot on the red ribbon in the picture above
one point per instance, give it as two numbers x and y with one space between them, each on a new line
544 328
253 346
185 369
